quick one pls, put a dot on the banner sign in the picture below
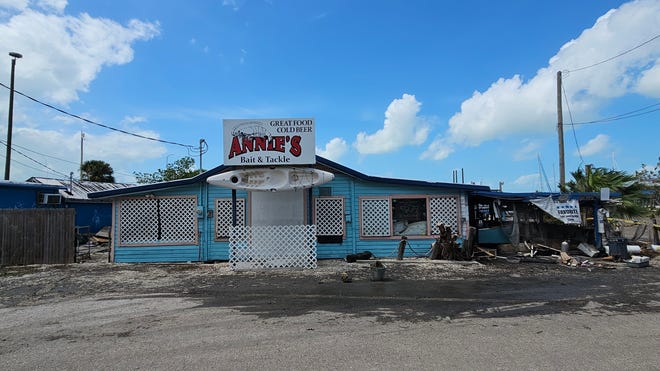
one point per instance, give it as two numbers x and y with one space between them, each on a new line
269 142
568 211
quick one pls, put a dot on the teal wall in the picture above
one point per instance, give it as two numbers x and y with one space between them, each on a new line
344 186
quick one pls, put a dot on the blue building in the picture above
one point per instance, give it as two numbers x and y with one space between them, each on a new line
191 219
91 215
27 195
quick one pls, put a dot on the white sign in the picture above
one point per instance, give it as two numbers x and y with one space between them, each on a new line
568 212
269 142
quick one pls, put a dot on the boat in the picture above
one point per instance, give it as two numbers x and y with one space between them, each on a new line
272 179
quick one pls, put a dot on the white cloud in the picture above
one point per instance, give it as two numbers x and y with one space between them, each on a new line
528 150
515 106
52 5
649 81
121 151
595 145
232 4
437 150
529 181
334 149
133 119
13 4
402 127
63 54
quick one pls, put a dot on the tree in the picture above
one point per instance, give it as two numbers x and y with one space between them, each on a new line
180 169
592 180
97 171
650 179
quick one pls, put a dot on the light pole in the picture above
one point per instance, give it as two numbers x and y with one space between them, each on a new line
14 56
167 159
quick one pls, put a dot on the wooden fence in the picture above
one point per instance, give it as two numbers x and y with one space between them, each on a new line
37 236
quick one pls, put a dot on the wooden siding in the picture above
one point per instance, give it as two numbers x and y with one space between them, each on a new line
37 236
341 186
170 253
157 254
210 249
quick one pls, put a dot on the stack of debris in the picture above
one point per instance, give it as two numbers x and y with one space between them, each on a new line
445 246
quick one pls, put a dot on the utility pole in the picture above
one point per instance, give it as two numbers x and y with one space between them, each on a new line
14 56
82 137
201 152
560 133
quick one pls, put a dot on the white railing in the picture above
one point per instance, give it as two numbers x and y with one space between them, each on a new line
274 246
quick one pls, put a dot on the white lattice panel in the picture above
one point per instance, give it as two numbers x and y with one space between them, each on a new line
329 216
375 217
158 220
273 246
223 216
444 210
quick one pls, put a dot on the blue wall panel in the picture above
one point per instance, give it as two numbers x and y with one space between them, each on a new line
157 254
18 196
94 215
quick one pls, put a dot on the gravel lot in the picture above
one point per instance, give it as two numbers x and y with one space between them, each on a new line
425 315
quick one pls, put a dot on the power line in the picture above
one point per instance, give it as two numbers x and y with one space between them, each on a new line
570 116
59 159
616 56
45 155
635 113
33 160
188 146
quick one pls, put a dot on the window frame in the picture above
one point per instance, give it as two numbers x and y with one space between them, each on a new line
125 222
430 215
343 215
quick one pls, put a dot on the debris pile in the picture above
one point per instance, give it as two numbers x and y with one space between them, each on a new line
446 246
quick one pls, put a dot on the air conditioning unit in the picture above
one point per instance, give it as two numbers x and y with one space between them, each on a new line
49 199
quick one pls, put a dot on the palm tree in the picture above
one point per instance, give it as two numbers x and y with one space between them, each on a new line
592 180
97 171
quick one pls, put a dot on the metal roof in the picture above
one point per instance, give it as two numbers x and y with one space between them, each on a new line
320 161
72 189
525 196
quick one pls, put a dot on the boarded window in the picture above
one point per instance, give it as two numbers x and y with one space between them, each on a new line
329 219
375 217
224 216
408 215
158 220
444 210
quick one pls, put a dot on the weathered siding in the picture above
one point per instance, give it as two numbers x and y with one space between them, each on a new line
349 188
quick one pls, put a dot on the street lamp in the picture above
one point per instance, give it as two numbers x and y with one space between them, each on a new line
14 56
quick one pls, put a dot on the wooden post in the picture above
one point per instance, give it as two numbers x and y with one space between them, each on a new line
402 248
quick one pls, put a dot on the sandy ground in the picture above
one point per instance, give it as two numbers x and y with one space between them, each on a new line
425 315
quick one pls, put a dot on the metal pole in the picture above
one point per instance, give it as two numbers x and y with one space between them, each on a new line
11 113
201 141
82 137
560 133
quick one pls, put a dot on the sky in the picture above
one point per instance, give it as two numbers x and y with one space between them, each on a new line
405 89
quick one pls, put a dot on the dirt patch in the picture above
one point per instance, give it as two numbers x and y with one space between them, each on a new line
413 290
